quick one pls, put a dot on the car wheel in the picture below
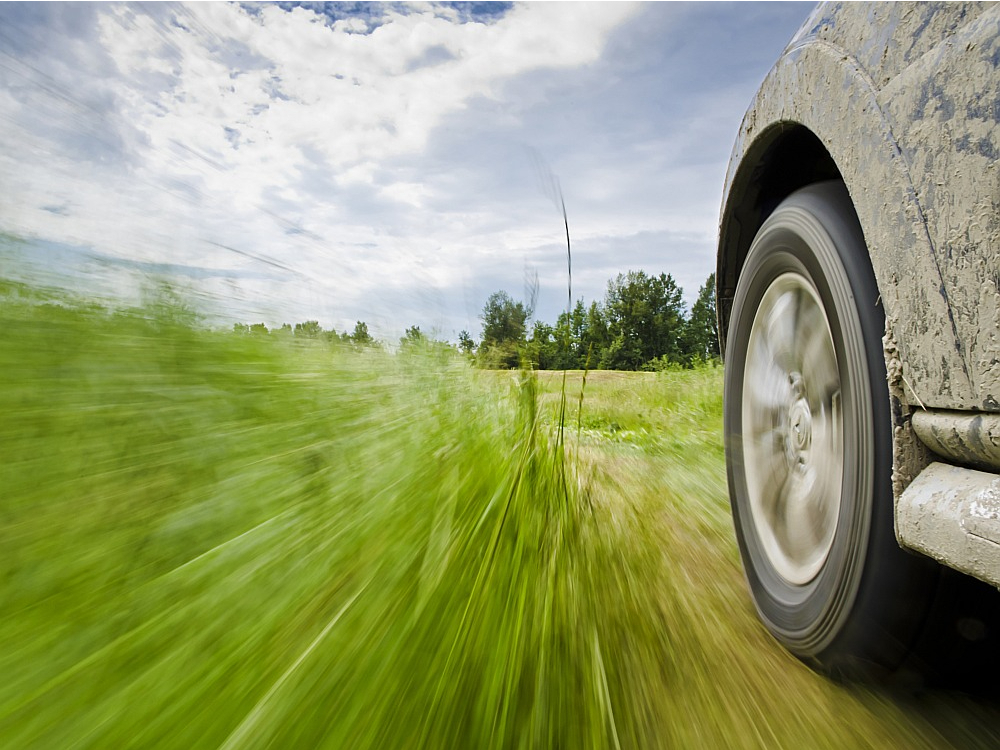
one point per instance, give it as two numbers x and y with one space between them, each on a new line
809 444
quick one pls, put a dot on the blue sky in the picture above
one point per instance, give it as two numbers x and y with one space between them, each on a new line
377 162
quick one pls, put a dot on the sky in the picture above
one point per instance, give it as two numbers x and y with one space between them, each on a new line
388 162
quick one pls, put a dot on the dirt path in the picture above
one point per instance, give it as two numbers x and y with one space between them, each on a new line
726 683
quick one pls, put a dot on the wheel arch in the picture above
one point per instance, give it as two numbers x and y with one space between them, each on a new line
786 156
816 117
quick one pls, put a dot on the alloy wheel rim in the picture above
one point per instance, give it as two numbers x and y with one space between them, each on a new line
792 429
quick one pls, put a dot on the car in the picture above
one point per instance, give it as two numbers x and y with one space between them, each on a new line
858 297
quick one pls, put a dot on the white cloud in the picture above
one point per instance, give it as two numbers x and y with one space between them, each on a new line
353 99
345 158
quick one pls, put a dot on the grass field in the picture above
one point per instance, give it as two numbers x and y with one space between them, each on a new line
212 540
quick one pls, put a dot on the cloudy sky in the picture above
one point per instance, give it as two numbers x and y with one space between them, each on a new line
392 163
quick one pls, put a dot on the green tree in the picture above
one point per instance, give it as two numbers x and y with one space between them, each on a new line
543 347
595 337
562 334
645 317
361 337
504 327
572 335
466 344
701 335
412 338
578 333
504 320
576 340
310 329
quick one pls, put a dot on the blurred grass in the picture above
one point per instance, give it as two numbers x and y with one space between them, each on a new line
213 540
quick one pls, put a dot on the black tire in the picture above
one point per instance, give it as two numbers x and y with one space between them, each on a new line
826 574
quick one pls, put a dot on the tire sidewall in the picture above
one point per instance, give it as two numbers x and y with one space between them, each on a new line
814 233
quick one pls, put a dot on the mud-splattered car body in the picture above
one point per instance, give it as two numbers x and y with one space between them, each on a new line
906 101
901 102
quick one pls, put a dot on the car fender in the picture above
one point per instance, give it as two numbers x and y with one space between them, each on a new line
822 87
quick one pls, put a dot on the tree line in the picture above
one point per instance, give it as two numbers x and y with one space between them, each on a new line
360 337
641 324
311 329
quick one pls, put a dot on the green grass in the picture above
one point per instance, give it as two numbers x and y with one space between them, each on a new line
211 540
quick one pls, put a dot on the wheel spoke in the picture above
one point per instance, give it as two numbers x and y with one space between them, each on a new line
819 360
780 331
768 386
773 497
796 537
809 332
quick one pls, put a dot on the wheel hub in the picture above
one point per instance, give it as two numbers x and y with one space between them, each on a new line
792 429
799 430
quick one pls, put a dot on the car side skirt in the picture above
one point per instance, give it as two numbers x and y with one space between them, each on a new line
952 514
964 438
